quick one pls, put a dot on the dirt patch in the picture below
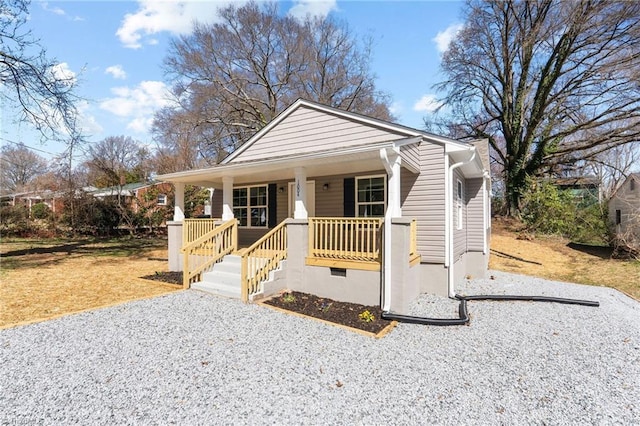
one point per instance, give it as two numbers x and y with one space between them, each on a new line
361 317
166 277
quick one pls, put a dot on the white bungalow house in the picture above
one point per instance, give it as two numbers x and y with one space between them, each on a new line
340 205
624 213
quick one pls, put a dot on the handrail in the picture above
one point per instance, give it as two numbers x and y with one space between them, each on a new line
413 242
193 229
354 239
208 249
262 257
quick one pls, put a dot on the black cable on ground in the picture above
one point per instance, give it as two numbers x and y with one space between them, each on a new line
462 320
506 297
464 315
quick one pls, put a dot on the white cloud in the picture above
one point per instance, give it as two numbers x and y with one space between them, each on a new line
88 122
302 8
59 11
54 10
62 72
427 103
396 108
444 38
116 71
155 16
138 104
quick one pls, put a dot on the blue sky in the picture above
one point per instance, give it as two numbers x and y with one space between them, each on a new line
115 49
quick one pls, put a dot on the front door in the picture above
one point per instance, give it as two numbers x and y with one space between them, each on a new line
311 198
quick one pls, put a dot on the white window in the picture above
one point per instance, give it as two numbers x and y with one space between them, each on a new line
250 206
371 196
162 200
459 204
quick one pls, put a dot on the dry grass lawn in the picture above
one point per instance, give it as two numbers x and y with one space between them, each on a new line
43 279
558 259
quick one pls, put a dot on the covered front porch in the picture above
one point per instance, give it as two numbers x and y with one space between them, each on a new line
329 224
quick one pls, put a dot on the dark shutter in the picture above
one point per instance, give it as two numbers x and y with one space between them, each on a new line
349 197
272 205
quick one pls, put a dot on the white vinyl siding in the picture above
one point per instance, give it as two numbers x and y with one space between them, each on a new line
410 155
308 130
422 198
475 211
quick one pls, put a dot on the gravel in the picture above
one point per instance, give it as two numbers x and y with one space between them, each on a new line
192 358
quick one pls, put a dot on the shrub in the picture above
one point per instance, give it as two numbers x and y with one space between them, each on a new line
40 211
549 211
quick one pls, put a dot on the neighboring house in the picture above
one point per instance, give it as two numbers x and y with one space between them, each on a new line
136 195
360 210
53 200
584 189
624 213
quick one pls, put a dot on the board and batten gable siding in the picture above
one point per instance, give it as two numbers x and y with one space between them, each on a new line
422 198
459 235
307 130
475 212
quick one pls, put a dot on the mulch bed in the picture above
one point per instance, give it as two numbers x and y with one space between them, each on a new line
348 314
166 277
343 313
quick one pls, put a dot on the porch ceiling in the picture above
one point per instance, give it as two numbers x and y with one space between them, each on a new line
357 159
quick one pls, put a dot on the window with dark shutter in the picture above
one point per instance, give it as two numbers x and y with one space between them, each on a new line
349 197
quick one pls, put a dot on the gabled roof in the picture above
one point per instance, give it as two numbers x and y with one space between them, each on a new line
322 149
634 176
398 129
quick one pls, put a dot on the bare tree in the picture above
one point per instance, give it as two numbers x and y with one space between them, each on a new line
231 78
19 167
41 87
117 160
549 82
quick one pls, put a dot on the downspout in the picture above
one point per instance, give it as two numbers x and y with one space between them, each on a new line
486 216
448 221
386 255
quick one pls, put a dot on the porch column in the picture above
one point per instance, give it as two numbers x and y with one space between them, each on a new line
300 209
394 205
227 198
178 208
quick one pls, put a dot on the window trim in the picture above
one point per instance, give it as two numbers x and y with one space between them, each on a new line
358 204
459 204
249 206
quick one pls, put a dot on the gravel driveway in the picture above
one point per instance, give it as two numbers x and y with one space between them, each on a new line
192 358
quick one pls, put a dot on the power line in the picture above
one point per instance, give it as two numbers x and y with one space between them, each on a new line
36 149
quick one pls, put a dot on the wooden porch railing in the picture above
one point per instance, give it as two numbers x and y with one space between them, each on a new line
345 242
202 253
192 229
262 257
414 256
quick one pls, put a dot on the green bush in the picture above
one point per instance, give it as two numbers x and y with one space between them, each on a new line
549 211
14 220
40 211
